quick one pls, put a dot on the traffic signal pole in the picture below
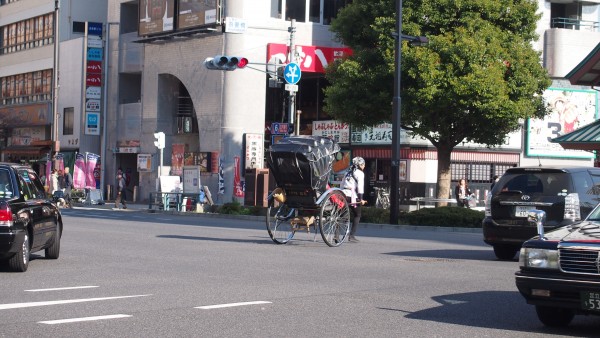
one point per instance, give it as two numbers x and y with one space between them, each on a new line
292 94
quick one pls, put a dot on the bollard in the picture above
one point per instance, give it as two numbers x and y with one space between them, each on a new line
134 193
108 192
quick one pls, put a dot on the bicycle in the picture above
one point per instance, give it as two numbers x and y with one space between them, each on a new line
383 198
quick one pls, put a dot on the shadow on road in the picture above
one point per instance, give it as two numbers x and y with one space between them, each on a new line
214 239
462 254
500 310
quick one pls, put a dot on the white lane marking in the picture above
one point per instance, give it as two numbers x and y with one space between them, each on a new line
58 302
65 288
83 319
219 306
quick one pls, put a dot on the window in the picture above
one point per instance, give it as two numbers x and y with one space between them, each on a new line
318 11
26 87
68 118
314 11
331 8
295 9
6 188
27 34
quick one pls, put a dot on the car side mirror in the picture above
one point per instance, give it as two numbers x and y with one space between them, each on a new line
537 218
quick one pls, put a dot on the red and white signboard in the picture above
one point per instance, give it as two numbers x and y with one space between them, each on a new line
92 80
312 59
94 67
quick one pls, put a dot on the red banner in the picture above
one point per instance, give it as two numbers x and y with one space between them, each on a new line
93 80
238 191
214 162
94 67
177 151
312 59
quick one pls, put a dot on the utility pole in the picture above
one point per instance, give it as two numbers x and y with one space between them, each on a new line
55 87
396 129
292 94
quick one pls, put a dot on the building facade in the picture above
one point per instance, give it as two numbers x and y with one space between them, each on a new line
218 119
155 57
39 105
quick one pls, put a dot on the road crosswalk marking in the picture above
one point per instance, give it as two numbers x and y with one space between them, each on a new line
58 302
83 319
63 288
219 306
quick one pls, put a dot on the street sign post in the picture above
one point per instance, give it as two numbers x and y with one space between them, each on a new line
292 73
291 87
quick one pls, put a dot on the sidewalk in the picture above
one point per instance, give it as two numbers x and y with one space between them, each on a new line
137 207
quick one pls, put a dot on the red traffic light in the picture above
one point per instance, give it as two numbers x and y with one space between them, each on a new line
242 62
223 62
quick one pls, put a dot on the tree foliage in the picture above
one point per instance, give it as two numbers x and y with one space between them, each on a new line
478 76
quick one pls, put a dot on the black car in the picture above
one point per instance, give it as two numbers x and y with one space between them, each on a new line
560 270
29 221
567 195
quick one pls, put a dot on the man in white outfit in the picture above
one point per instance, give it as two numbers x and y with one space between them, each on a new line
354 188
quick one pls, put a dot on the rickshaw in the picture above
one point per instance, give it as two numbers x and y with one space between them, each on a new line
303 199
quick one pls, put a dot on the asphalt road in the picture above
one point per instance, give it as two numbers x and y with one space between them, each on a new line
134 274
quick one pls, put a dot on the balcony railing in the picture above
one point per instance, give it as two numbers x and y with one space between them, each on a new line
576 24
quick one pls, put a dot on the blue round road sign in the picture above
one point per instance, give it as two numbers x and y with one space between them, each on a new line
292 73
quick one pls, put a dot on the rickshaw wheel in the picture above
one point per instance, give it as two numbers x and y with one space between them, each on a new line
334 220
278 222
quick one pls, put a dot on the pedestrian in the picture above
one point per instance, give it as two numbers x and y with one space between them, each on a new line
121 195
354 188
494 180
53 182
462 193
67 185
61 180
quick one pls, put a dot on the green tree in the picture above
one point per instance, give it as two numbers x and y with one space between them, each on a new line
478 76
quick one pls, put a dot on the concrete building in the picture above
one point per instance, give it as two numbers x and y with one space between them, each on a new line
37 104
157 83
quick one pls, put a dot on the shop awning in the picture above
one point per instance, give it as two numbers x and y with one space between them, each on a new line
587 72
584 138
431 154
26 151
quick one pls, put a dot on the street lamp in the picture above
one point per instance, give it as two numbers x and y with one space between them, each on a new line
397 104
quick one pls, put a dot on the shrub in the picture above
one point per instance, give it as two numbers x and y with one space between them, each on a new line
374 215
233 208
444 216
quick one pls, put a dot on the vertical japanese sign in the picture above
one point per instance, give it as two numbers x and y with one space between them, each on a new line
90 179
238 190
177 151
93 78
254 151
79 172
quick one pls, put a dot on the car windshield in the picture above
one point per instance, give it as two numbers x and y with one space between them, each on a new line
6 186
535 183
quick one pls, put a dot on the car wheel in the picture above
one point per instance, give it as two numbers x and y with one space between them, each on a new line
53 251
505 252
553 316
20 261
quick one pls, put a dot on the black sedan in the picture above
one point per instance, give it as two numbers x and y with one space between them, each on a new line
560 270
29 221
